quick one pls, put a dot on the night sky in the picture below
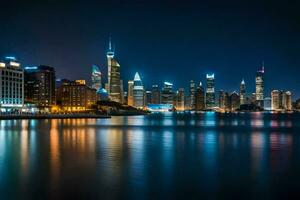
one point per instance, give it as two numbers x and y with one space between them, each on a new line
173 41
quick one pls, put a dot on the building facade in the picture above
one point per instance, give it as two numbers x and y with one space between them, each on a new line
40 86
192 95
167 95
114 76
130 93
11 85
138 91
210 91
180 99
200 98
259 87
75 96
155 98
96 78
243 93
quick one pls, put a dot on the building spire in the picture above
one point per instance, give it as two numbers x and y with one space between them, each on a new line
243 82
109 44
263 66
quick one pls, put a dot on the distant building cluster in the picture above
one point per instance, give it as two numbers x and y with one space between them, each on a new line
36 89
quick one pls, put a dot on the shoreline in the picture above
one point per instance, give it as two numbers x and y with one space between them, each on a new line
55 116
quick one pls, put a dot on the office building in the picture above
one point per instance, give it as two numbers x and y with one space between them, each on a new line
138 91
210 91
130 93
259 87
180 99
192 95
267 103
167 95
234 101
155 98
75 96
242 93
11 85
114 77
148 96
200 98
96 78
40 86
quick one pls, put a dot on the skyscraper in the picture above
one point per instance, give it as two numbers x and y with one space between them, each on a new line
114 78
210 91
138 91
180 99
11 85
40 86
155 99
288 100
199 98
167 95
234 101
130 93
275 100
96 78
242 93
259 89
192 95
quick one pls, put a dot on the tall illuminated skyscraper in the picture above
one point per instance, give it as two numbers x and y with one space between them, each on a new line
242 93
259 87
114 78
192 95
200 98
155 98
138 91
210 91
180 99
96 78
167 94
130 93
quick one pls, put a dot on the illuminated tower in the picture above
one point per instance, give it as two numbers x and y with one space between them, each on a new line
259 87
96 78
210 91
200 98
138 91
192 95
130 93
242 93
114 80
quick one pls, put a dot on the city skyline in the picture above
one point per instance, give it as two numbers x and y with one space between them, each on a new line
180 38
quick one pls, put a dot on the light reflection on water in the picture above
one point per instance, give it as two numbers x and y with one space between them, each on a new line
158 156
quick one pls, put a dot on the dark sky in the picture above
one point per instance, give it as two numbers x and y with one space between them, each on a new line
173 41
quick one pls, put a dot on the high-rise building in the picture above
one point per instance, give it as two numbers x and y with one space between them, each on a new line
210 91
242 93
192 95
288 100
222 100
259 88
75 96
114 78
130 93
138 91
234 101
155 99
180 99
275 99
200 98
96 78
167 95
11 85
148 96
40 86
268 103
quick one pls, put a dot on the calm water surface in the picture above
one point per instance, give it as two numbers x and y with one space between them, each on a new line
160 156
